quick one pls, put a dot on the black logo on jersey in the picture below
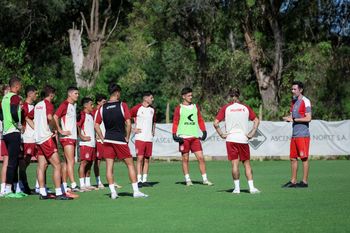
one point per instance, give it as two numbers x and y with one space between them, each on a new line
191 122
190 117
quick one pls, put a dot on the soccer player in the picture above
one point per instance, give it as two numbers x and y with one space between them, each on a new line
47 145
187 121
29 146
236 116
144 117
300 116
87 144
116 117
66 122
12 133
3 150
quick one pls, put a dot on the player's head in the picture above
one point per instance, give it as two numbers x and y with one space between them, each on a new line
100 99
15 84
147 97
73 93
186 94
87 104
297 88
31 92
234 93
48 92
114 90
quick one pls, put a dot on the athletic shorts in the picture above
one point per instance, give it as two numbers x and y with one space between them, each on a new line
68 141
3 148
29 149
112 151
238 150
99 150
299 147
87 153
143 148
48 148
190 144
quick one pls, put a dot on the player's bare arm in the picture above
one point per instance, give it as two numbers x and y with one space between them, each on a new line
99 132
127 129
218 129
305 119
256 123
58 127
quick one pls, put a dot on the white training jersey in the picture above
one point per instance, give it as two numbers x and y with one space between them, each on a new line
28 135
144 120
67 113
42 130
86 125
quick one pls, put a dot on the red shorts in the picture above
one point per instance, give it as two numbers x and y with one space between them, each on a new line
190 144
48 148
299 147
68 142
99 150
112 151
29 149
3 148
237 150
143 148
87 153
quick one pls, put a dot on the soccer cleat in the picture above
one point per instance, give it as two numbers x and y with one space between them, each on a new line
83 189
14 195
207 182
22 194
114 196
302 184
75 189
37 190
2 194
189 183
254 191
91 188
43 197
289 184
139 195
72 195
118 186
139 184
63 198
236 191
101 186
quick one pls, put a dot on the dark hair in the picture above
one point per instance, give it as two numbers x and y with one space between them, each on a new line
47 91
299 83
14 80
234 92
113 87
186 90
85 100
30 88
147 93
72 88
3 89
100 97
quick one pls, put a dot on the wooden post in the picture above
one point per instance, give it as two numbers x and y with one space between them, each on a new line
260 112
167 113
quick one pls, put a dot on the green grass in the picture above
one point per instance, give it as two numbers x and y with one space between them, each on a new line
173 207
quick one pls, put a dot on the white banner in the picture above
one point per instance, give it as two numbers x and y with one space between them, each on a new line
272 139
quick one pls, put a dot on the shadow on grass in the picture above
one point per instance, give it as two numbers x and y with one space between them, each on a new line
123 194
184 183
230 191
149 184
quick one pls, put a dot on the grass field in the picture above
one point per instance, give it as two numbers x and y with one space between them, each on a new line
173 207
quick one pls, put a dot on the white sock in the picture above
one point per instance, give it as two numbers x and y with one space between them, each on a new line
204 176
37 184
87 181
64 187
98 180
135 187
73 185
8 189
139 178
43 191
3 186
82 182
144 178
58 191
237 184
112 188
18 188
251 184
187 177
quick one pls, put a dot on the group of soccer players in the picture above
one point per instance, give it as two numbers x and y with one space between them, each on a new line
103 132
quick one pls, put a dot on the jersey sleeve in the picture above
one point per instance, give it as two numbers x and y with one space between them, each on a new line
176 119
133 111
98 116
307 105
15 100
81 119
252 114
126 111
62 109
154 115
221 114
201 122
49 108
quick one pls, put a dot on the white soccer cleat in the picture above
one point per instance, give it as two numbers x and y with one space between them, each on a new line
189 183
118 186
91 188
101 186
254 191
83 189
236 191
139 195
207 182
114 196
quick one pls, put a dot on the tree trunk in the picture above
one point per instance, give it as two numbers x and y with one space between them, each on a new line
77 54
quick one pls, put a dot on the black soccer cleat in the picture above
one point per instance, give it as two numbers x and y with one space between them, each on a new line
289 184
302 184
63 198
42 197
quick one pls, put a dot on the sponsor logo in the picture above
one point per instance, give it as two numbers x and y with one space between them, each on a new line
258 139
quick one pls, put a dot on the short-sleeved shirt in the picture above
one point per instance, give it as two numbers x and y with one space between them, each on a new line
298 109
236 116
86 124
113 115
102 125
144 119
42 129
28 111
67 113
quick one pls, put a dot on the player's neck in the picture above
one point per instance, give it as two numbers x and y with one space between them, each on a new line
145 104
69 100
86 111
48 99
114 99
29 100
186 103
